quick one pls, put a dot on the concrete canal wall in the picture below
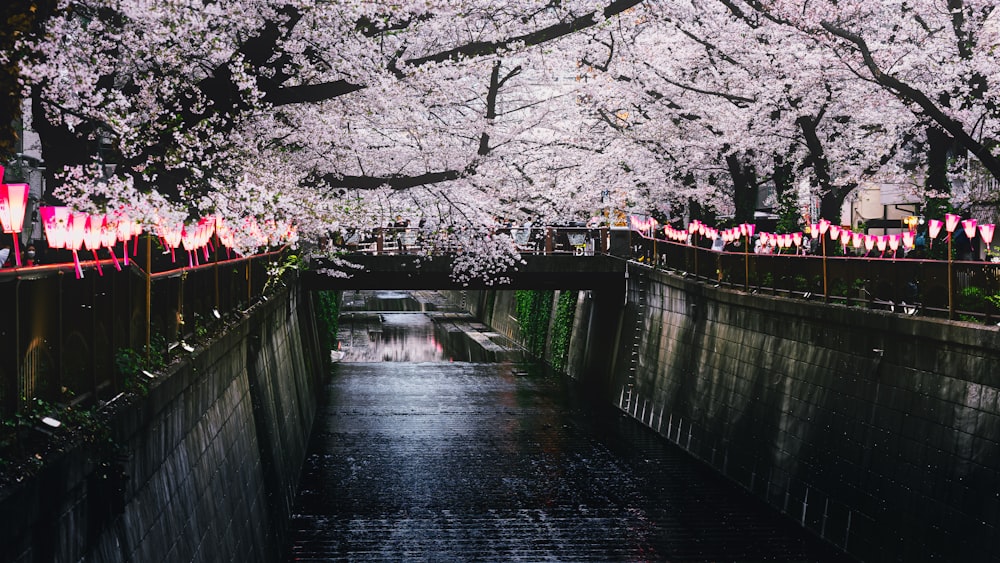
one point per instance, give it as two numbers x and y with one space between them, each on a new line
206 463
878 432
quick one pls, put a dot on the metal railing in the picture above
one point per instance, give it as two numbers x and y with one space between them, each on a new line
903 285
527 240
62 337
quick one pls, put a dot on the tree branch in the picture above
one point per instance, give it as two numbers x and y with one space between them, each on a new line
911 94
317 92
393 181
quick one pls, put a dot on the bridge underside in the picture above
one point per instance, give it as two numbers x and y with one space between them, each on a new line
553 271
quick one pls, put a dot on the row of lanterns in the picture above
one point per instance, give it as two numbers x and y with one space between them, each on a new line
781 241
75 230
66 229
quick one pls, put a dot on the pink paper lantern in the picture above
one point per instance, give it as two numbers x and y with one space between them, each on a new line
92 237
908 239
55 221
76 232
986 231
951 222
934 228
13 202
857 240
869 242
881 242
969 226
824 225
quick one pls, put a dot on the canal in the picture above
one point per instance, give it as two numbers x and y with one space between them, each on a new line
434 444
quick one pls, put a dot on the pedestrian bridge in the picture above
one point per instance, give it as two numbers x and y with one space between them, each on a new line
409 271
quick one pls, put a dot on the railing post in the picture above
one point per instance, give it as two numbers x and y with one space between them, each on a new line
17 336
215 267
180 308
249 285
951 300
149 292
826 292
746 264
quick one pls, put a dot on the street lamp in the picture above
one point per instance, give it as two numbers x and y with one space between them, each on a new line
13 202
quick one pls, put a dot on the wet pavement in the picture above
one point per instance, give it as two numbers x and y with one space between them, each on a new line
438 459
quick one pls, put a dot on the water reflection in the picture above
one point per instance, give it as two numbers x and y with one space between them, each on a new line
373 328
385 301
390 337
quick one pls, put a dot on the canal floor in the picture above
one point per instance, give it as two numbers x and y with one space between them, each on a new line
442 460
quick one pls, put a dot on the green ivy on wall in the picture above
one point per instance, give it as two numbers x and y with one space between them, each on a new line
562 328
534 310
327 313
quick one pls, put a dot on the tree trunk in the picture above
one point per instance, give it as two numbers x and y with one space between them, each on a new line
745 189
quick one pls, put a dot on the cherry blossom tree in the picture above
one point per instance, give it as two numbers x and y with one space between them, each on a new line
343 115
938 58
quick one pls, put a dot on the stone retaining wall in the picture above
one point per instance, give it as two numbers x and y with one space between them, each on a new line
210 458
877 431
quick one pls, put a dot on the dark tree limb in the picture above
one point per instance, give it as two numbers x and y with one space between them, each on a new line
910 94
318 92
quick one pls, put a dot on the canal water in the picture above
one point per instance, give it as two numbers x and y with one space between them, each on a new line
430 447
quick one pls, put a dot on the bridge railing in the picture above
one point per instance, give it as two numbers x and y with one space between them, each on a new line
965 290
65 339
527 239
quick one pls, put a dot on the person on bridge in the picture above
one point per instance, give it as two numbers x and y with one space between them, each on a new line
399 232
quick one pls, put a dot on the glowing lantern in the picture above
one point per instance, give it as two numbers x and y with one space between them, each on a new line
77 231
171 236
969 226
894 243
986 231
950 222
13 202
934 228
92 237
109 237
56 223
